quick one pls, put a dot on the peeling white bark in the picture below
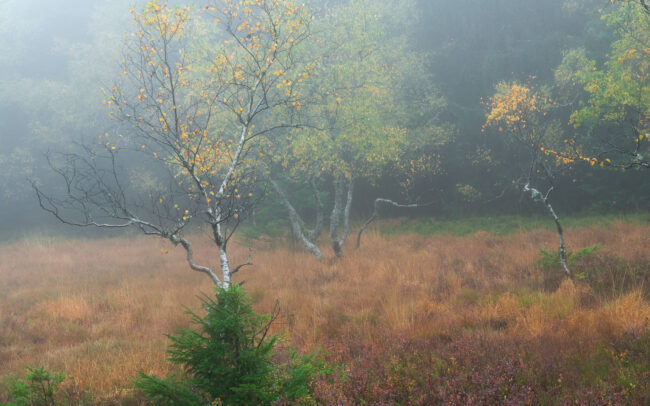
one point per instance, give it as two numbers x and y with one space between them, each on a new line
225 267
221 244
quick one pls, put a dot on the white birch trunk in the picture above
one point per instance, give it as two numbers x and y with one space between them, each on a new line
221 243
338 211
537 196
297 224
225 267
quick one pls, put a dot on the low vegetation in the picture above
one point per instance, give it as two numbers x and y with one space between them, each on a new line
440 319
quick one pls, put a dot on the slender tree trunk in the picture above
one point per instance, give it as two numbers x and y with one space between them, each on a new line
221 243
539 197
339 211
366 224
225 267
347 211
560 233
335 218
307 241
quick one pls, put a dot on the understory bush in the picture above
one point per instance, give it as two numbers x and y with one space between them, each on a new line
229 358
39 388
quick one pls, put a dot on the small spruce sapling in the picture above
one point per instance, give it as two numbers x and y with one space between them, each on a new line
227 359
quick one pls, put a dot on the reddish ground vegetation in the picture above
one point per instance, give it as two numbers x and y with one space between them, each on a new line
414 320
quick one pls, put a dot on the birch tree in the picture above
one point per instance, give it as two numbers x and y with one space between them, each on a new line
198 92
372 99
524 114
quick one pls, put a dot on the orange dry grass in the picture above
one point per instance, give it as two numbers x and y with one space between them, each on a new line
97 310
94 309
433 285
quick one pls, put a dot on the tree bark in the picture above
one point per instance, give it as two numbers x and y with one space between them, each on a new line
225 267
307 241
537 196
221 244
339 211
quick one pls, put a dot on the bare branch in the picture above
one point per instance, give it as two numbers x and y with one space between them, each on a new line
375 213
176 239
249 262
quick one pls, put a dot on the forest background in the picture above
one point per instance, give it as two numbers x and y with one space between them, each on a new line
57 57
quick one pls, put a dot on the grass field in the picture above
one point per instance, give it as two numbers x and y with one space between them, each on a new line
414 318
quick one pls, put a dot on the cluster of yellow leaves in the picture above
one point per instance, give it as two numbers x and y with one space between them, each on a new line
261 35
410 170
180 88
163 21
511 106
618 94
576 156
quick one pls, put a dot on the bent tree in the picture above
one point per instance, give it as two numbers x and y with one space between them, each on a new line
197 93
524 114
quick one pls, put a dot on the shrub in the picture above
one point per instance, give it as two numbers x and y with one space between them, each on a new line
227 359
550 260
40 388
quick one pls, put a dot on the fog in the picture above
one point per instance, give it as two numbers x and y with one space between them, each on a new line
445 60
56 57
365 202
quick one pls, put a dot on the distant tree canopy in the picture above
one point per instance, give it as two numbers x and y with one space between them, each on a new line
374 108
613 120
643 3
395 101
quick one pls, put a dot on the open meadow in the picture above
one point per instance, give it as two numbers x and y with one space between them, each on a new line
474 319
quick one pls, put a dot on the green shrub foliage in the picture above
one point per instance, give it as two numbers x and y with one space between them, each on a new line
39 388
227 357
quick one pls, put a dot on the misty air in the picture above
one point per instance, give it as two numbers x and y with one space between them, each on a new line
324 202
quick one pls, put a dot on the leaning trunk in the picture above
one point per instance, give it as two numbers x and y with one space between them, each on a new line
560 233
375 213
307 241
537 196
